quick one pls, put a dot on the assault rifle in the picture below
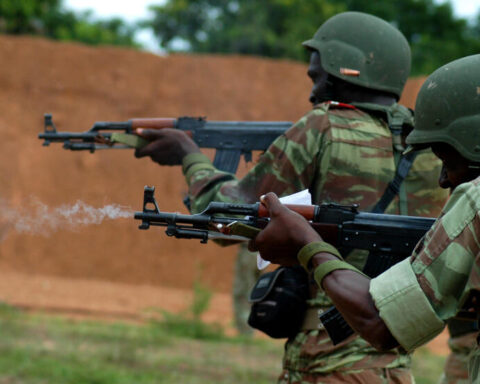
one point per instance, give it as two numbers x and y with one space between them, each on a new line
231 139
388 238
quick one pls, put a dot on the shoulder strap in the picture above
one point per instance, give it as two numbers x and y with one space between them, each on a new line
393 187
398 119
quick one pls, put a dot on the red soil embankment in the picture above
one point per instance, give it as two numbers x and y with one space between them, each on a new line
114 268
80 85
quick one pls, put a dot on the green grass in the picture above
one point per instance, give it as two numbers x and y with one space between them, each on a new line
427 367
46 349
41 349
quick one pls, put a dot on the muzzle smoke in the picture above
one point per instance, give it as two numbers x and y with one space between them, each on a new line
39 219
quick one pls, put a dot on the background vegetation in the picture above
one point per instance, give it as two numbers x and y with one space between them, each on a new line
273 28
48 18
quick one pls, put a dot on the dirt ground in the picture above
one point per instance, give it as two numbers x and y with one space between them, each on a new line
113 270
103 300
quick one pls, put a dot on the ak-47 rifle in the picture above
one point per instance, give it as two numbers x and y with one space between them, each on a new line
388 238
231 139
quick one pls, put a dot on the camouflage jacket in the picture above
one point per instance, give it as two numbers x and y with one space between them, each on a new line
441 280
342 155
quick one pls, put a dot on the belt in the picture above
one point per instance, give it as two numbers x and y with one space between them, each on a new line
311 321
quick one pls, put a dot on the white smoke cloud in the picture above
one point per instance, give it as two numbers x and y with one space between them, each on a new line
40 219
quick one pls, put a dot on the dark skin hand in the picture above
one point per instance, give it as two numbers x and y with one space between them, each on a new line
168 146
281 240
286 233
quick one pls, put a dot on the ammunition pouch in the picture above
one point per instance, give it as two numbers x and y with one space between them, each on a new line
279 302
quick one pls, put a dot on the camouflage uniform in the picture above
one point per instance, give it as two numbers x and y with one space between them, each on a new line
456 365
245 275
442 276
343 155
417 296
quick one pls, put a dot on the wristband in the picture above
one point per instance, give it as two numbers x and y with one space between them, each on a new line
197 167
329 266
308 251
195 158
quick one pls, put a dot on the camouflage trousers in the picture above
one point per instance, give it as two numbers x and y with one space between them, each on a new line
245 276
456 365
365 376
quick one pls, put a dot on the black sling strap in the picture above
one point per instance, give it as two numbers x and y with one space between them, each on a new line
397 117
393 188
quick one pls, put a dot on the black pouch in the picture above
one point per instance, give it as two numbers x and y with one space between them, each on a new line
279 301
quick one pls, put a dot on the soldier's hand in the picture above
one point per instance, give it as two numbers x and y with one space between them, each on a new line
286 233
167 146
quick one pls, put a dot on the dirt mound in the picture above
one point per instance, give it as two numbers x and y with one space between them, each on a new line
80 85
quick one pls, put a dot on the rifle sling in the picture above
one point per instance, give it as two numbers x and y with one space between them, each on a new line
393 188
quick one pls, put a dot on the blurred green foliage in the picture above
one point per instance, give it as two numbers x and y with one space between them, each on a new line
272 28
48 18
275 28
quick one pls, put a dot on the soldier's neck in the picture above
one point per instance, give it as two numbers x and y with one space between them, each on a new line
355 94
373 99
376 99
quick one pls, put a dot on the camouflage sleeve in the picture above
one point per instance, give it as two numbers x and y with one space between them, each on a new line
418 295
288 166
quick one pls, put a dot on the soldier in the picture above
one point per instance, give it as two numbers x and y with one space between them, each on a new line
345 150
245 275
461 343
409 304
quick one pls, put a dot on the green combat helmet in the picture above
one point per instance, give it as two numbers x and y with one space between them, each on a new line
448 108
364 50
